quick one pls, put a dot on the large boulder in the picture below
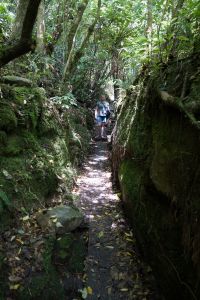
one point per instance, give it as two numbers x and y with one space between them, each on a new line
60 219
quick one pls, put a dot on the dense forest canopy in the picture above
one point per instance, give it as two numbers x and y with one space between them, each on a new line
88 41
85 42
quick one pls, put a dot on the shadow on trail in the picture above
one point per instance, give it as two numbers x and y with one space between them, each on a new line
114 269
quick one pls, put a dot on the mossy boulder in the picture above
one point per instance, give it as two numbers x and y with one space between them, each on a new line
71 249
67 219
8 118
20 107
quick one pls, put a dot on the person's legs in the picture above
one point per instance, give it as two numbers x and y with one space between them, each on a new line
101 121
98 128
103 128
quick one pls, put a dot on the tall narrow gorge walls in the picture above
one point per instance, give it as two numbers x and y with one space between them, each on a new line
156 161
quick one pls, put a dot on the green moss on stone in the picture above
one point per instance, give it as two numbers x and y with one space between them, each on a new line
30 141
3 137
45 285
14 145
8 119
130 175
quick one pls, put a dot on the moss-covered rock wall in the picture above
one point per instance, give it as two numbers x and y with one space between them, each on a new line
156 146
41 143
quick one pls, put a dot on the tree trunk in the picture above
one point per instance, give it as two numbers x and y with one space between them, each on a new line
41 28
72 36
174 27
56 34
149 27
165 7
19 19
25 43
116 74
74 59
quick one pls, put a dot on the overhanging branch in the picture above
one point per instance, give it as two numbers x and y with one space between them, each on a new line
25 43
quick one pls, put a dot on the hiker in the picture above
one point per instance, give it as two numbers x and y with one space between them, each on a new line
102 114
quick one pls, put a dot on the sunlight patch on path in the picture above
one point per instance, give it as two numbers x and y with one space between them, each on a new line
113 269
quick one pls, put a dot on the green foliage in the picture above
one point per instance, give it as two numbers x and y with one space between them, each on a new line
4 201
3 138
65 101
8 119
6 18
121 30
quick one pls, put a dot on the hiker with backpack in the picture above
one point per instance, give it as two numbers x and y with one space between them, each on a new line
102 114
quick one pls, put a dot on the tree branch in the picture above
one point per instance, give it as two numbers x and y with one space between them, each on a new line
71 65
72 36
25 43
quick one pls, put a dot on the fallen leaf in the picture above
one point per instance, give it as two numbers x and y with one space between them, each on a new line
107 214
101 234
20 241
17 258
110 247
84 276
26 218
20 231
12 238
84 293
128 253
130 240
13 278
129 234
6 174
58 225
14 286
89 290
124 290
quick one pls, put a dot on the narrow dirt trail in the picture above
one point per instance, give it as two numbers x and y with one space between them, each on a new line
113 267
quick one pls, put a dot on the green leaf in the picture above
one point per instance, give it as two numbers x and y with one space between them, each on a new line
183 38
4 199
84 293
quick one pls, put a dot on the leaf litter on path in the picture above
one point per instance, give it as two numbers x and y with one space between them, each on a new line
114 268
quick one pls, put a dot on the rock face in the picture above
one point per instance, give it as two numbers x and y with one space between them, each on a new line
61 218
156 146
